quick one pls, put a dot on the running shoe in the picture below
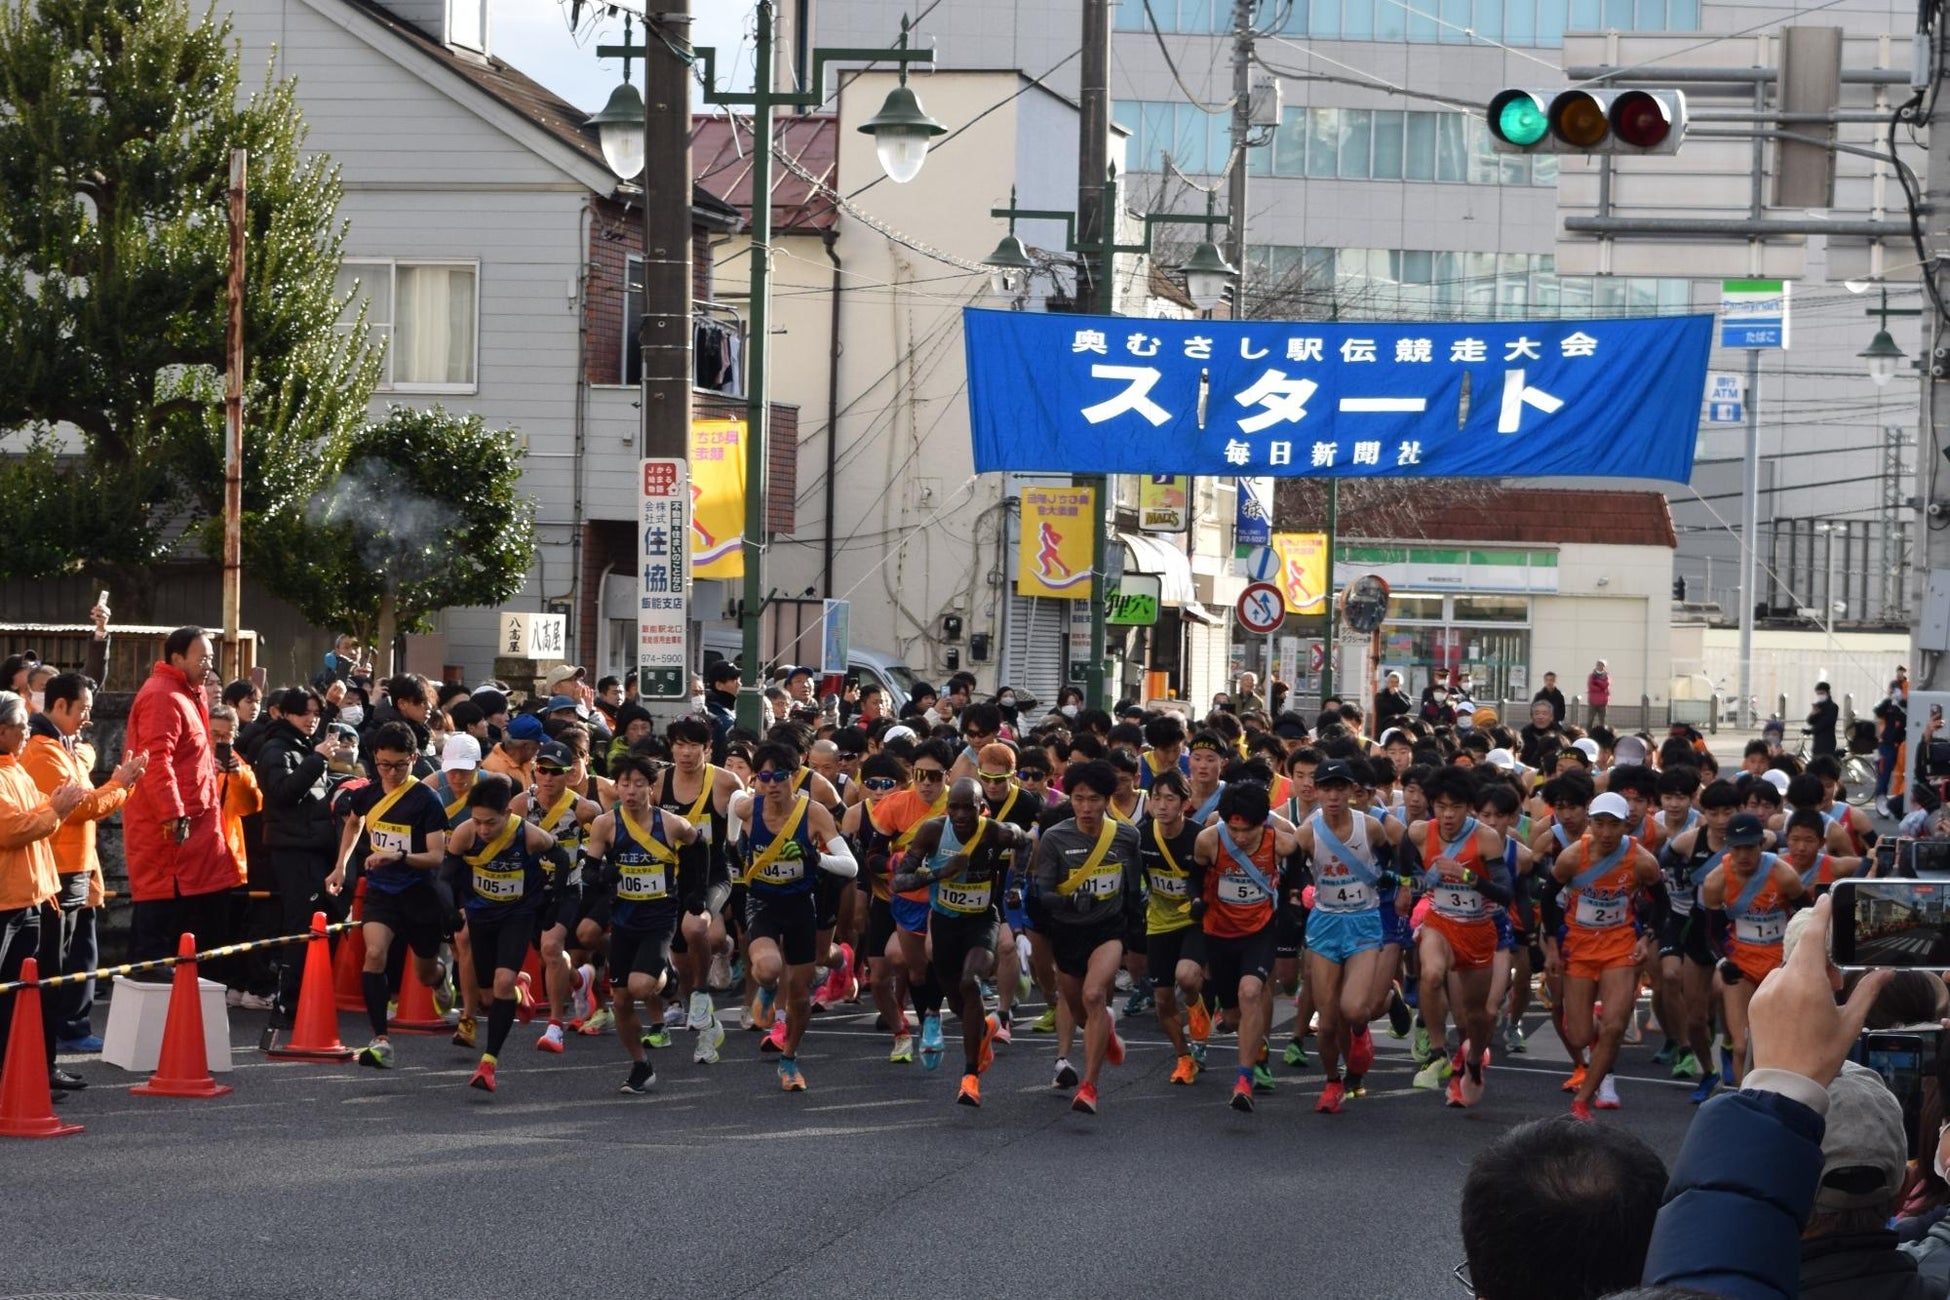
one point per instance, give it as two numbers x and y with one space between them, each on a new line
903 1053
442 989
1434 1074
1185 1072
643 1077
1356 1086
1262 1079
581 1001
1198 1046
551 1039
735 978
1296 1054
1399 1016
1114 1049
763 1013
708 1043
841 978
1576 1080
931 1044
1726 1063
1452 1095
378 1054
464 1032
524 998
1607 1098
1024 986
1140 1001
774 1040
789 1077
1668 1053
719 977
1066 1074
1707 1086
657 1036
970 1093
1086 1099
1330 1098
1045 1023
1634 1031
674 1015
987 1057
1242 1094
1685 1066
699 1014
1423 1049
1125 983
603 1022
483 1075
1198 1021
1518 1045
1471 1088
1581 1112
1002 1030
1360 1051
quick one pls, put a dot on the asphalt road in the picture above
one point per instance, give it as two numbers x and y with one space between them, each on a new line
324 1180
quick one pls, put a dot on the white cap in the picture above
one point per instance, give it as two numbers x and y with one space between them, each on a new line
1501 759
1609 804
897 733
1629 750
1775 777
461 752
1587 746
1395 733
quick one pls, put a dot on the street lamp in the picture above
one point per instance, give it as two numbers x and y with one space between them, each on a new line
619 126
1205 261
1882 354
901 130
1009 265
1207 273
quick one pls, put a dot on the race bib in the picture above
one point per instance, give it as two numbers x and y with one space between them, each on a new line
958 897
388 840
1345 894
642 883
1763 928
1167 886
496 885
783 871
1238 889
1104 882
1458 901
1603 911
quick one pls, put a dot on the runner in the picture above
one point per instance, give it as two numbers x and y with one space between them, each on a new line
495 865
1861 831
1174 947
1234 888
1499 806
553 805
881 775
1457 863
1344 928
899 816
1089 882
1804 850
460 761
397 832
1290 921
633 866
1686 957
1754 890
791 836
1127 805
699 792
1164 739
1006 801
1601 947
961 860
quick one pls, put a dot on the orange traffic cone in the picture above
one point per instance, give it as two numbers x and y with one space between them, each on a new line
26 1104
315 1037
184 1070
349 992
416 1014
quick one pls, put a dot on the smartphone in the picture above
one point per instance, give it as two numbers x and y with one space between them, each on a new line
1905 1059
223 752
1890 924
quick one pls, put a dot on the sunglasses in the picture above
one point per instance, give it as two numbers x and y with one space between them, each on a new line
880 784
546 769
1032 774
849 758
771 776
929 774
994 776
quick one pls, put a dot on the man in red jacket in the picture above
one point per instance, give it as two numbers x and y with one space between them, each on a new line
180 866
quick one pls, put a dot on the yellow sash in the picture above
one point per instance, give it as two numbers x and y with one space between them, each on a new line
935 809
379 810
1091 863
655 847
1158 838
491 850
770 854
704 795
1002 814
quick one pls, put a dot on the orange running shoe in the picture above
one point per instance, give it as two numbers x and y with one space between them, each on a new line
1330 1098
1576 1080
971 1091
1114 1050
483 1075
1185 1072
1086 1099
987 1057
1198 1021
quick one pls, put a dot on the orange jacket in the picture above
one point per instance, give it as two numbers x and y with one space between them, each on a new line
50 763
522 774
241 798
28 876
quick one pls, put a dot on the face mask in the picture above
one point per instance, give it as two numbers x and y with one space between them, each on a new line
1068 710
36 701
697 702
1439 696
1007 701
352 715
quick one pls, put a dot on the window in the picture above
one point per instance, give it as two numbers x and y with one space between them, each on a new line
1387 144
427 316
467 24
1357 129
631 367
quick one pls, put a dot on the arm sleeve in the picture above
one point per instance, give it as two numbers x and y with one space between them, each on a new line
95 663
1494 882
1741 1189
838 859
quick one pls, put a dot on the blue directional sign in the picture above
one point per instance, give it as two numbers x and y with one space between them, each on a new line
1117 395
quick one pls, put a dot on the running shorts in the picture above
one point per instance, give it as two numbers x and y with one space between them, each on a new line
1071 945
1337 936
1165 949
952 938
415 914
1588 954
1233 959
1472 946
789 920
640 952
1685 936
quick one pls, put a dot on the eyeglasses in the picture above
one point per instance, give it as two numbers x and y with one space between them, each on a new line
880 784
995 776
404 765
1032 774
771 776
929 774
849 758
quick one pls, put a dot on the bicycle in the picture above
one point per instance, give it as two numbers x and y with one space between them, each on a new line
1858 770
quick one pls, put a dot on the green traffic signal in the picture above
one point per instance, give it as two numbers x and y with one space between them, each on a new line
1522 121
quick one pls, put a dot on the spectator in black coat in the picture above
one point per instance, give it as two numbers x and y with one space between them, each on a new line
299 833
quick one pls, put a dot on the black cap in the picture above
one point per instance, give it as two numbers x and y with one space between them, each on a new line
1745 829
796 670
1293 729
724 671
555 754
1334 771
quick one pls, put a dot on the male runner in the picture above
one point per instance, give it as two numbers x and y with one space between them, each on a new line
1006 801
1164 739
460 761
881 776
1290 918
962 860
1601 946
899 816
1089 880
1804 850
1754 890
398 829
554 805
1174 947
632 857
699 792
1686 957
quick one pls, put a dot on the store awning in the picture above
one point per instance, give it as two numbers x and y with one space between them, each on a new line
1173 569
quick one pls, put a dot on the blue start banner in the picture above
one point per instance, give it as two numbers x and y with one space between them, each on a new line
1056 393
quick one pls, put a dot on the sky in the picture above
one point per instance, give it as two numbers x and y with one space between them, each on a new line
534 36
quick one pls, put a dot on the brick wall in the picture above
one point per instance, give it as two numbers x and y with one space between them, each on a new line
604 543
616 233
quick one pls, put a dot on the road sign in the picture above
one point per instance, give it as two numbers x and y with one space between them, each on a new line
1725 399
1364 603
835 635
1261 608
664 584
1259 563
1133 601
1753 313
1316 656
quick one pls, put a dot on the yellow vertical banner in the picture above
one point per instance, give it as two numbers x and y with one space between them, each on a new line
1303 571
717 498
1053 558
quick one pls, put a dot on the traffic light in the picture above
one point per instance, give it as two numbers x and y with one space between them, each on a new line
1587 121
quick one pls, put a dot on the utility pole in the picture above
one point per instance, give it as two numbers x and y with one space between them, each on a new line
666 337
1749 536
1889 518
1934 543
758 380
233 429
1096 228
1242 127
